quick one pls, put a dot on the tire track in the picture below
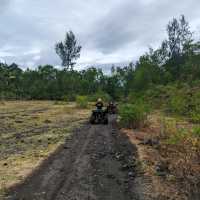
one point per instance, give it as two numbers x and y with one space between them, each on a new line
93 165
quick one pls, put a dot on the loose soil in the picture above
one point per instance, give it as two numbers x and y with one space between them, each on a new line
97 162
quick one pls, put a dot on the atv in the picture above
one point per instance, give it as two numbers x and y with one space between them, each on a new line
112 108
99 116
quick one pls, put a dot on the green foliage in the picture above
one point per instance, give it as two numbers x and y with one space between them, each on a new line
178 136
134 97
196 131
68 50
195 117
65 98
174 134
177 104
133 115
82 101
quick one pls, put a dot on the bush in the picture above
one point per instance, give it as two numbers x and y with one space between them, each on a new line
133 115
177 104
196 131
134 97
65 98
195 117
69 97
82 101
177 137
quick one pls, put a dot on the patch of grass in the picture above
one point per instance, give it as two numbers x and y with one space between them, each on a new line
82 101
43 127
64 102
177 137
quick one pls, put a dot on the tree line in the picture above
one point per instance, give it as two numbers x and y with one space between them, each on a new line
177 60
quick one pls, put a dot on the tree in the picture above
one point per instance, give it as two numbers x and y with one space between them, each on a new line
68 50
179 36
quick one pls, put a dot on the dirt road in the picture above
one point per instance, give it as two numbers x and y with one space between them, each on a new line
96 163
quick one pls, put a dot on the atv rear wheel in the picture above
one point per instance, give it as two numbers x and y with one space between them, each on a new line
105 121
92 119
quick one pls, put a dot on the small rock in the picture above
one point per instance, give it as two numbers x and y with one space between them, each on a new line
171 177
131 174
18 121
161 169
47 121
125 167
118 182
126 181
18 136
119 156
101 155
110 176
155 142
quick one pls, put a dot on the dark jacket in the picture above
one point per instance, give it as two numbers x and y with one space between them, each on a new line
99 105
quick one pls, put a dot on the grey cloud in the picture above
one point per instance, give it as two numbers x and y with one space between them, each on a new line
134 22
3 5
29 29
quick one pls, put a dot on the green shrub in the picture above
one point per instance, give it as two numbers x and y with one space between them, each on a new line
69 97
65 98
82 101
177 137
159 95
134 97
195 117
196 131
133 115
177 104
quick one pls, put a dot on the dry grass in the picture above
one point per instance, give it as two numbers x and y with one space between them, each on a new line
178 150
29 132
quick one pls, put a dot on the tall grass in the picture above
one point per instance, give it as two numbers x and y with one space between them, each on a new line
82 101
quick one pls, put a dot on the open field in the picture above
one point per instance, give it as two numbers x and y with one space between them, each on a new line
69 159
29 132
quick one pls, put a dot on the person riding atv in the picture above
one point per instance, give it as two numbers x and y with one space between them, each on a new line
112 108
99 116
99 104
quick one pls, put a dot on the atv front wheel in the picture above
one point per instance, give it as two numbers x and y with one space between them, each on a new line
105 121
92 120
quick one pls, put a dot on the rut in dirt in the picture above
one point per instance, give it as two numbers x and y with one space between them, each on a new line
96 163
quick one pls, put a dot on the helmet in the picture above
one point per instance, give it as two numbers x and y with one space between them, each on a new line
99 100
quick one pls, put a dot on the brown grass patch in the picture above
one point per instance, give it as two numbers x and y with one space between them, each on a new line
178 149
29 132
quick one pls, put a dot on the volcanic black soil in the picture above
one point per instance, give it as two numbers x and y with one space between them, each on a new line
96 163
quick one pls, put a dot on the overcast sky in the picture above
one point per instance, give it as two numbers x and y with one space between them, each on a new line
110 31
